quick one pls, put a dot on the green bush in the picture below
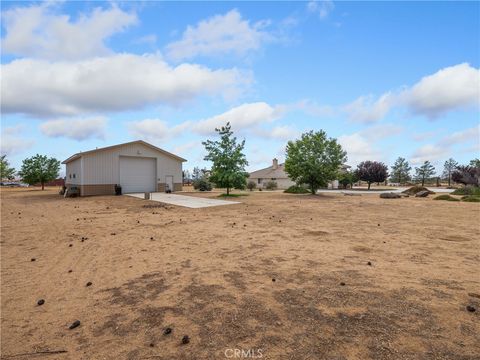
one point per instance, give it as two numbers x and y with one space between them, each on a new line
297 189
445 197
271 185
471 198
202 185
251 185
467 190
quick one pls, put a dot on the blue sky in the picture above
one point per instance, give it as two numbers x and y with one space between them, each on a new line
386 79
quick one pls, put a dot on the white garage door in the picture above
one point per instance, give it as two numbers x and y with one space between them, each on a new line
137 174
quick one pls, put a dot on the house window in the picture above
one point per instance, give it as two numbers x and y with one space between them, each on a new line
259 181
273 179
74 176
70 176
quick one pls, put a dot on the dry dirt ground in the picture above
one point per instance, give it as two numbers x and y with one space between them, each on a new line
264 276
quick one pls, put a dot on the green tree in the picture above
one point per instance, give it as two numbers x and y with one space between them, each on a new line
400 171
6 172
449 167
39 169
229 161
475 163
346 178
314 159
424 172
372 172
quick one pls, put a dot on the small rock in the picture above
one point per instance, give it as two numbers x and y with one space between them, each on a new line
423 193
152 344
89 283
342 284
113 234
167 331
369 263
69 271
33 259
151 238
70 245
378 224
75 324
274 280
40 302
471 308
390 196
185 339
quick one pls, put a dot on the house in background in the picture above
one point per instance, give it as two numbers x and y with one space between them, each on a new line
276 172
136 166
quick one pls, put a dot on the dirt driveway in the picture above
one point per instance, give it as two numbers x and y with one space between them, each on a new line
284 276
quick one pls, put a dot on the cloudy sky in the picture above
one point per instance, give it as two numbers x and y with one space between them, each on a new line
386 79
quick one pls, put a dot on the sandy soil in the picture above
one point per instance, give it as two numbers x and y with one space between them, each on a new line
209 274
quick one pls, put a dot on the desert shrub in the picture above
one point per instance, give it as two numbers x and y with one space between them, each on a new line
271 185
251 185
471 198
297 189
467 190
445 197
202 185
415 189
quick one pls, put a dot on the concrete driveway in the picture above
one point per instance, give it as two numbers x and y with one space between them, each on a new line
186 201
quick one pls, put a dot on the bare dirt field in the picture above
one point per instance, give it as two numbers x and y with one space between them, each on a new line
279 276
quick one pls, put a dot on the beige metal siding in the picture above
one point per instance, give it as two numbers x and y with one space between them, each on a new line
74 168
102 167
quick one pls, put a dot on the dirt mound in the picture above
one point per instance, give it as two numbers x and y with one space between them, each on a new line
416 189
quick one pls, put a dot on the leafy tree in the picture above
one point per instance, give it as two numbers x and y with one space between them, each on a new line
251 185
466 175
346 178
228 159
6 172
202 184
39 169
372 172
424 172
400 171
449 166
475 163
314 159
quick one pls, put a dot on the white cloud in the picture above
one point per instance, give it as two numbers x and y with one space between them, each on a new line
155 129
430 152
77 129
443 147
366 109
449 88
462 137
322 8
220 34
114 83
284 132
241 117
452 88
12 145
37 31
358 149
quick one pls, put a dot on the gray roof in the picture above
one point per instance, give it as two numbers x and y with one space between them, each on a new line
268 173
279 172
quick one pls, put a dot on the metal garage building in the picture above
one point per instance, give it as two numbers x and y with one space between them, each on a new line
136 166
